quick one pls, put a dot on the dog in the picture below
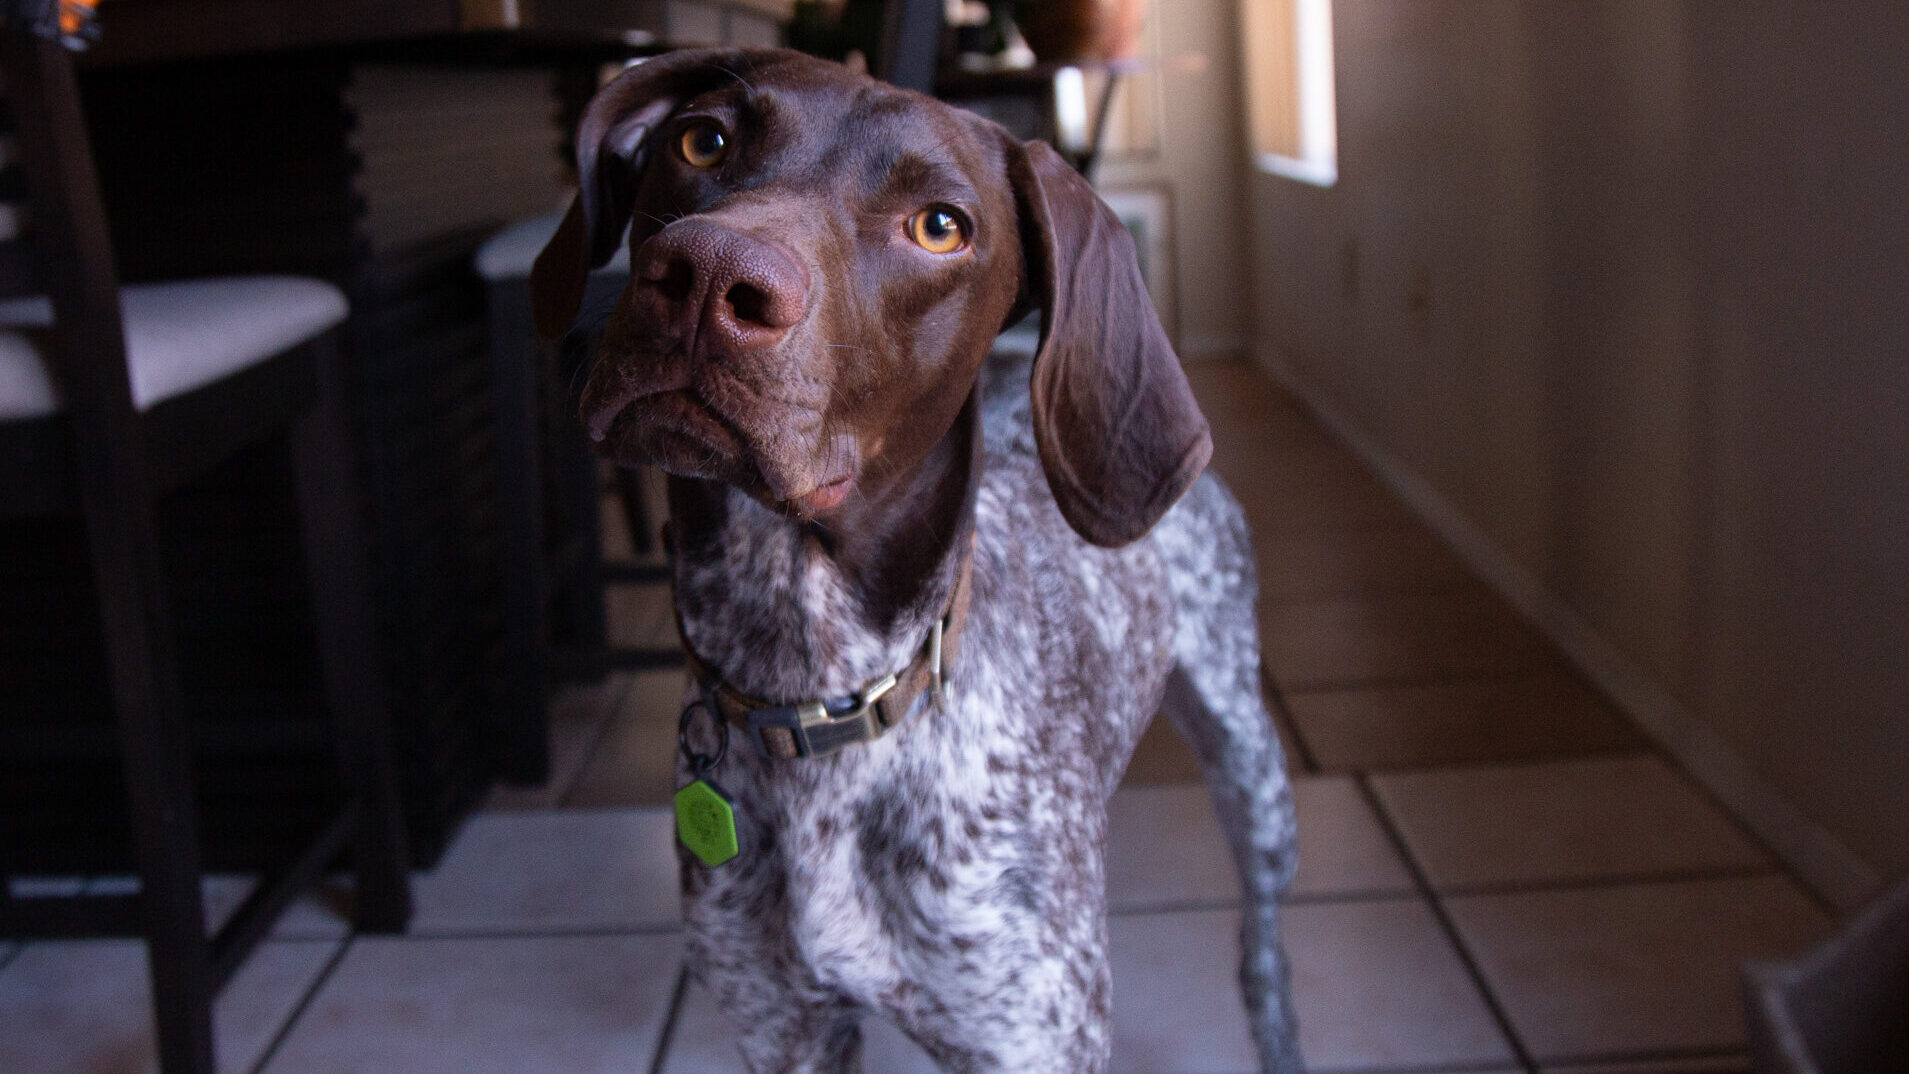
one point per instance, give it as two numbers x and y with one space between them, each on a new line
936 608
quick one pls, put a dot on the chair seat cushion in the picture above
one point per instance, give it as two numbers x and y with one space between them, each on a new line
508 254
180 336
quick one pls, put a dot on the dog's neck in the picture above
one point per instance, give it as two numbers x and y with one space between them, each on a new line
786 608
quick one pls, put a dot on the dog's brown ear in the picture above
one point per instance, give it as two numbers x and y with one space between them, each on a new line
558 276
1119 433
612 141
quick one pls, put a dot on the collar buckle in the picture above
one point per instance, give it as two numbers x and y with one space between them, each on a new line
819 728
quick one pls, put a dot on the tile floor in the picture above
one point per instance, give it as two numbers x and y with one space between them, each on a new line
1498 873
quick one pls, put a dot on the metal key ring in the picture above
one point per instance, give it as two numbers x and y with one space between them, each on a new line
702 762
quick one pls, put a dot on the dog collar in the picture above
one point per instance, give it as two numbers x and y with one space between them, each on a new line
817 727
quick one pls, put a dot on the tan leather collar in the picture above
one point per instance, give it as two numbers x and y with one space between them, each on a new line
820 726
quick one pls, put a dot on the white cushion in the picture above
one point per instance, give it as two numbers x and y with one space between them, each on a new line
179 336
509 254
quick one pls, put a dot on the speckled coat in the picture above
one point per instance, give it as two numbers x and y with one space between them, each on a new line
949 875
819 266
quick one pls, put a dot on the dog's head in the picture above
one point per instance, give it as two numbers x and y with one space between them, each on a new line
819 264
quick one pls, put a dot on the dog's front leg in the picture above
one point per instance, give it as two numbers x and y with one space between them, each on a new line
782 1019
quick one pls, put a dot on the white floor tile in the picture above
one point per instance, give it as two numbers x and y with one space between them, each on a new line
640 616
322 913
1721 1065
578 719
1165 848
1177 1006
1544 715
703 1043
1632 969
554 870
889 1051
635 762
1396 639
1342 848
1624 816
499 1005
1378 984
85 1007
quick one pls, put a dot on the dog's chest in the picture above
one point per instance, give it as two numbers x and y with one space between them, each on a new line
982 817
978 819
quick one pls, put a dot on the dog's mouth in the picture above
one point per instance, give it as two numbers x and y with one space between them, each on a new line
683 434
673 429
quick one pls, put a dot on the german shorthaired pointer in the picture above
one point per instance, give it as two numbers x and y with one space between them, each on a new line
962 599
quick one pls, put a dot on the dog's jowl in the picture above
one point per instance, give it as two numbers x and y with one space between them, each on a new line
929 598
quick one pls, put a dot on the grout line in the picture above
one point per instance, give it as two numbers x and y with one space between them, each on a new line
1447 925
593 809
667 1036
1308 761
1489 765
304 1004
605 727
1658 1055
1343 898
1173 906
553 932
1433 678
1559 755
1323 898
1614 880
1539 670
1418 1068
1368 592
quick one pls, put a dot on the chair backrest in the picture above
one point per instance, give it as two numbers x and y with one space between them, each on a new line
56 243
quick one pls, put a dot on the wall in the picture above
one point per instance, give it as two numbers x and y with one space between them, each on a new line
1615 292
1188 127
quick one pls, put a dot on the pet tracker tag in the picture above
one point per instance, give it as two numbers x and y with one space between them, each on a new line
705 817
706 822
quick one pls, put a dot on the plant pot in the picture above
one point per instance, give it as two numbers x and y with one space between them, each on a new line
1072 31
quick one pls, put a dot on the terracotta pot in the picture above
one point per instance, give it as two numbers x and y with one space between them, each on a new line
1067 31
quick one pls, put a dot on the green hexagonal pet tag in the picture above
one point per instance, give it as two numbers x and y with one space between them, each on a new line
706 822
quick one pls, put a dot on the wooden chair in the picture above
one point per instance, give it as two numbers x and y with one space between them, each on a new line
554 576
110 398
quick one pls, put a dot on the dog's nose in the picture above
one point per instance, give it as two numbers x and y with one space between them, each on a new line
746 291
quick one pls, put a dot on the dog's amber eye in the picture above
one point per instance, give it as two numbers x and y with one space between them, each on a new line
702 146
938 230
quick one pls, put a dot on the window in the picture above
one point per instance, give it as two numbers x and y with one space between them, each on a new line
1289 88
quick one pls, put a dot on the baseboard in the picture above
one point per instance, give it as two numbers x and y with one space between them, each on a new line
1837 874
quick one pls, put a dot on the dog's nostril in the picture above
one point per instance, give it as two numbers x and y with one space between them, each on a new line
751 306
679 279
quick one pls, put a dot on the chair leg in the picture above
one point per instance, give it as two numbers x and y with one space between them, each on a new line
523 740
155 747
336 557
636 511
583 622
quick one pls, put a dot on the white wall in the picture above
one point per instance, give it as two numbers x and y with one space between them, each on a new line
1192 120
1619 292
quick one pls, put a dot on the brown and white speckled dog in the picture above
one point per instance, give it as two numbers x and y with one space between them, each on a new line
819 266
